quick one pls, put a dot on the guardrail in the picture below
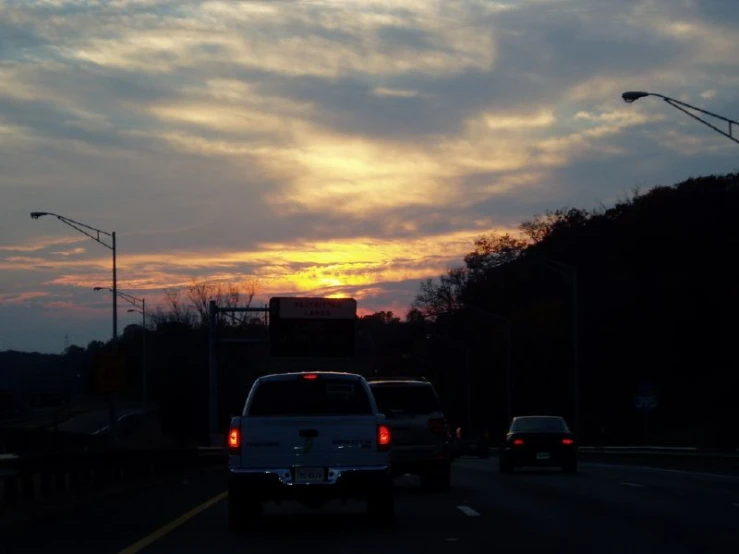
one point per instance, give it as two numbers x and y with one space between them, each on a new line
664 450
30 477
33 476
664 457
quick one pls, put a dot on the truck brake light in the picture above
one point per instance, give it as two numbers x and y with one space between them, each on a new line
234 439
310 376
383 438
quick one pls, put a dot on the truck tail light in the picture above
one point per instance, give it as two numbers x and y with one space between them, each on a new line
234 439
383 438
517 442
568 442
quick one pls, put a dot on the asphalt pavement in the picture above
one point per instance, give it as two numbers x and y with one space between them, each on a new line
604 509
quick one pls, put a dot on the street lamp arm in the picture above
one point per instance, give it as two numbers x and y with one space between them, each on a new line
137 302
682 107
94 234
632 96
131 299
78 226
674 102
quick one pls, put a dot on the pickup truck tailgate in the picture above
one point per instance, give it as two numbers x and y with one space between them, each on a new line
270 442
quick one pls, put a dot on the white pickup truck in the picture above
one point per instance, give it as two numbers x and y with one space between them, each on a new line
311 437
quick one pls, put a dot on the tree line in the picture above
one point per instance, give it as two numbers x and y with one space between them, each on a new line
613 306
579 312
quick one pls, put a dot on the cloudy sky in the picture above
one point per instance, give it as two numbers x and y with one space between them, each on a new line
326 147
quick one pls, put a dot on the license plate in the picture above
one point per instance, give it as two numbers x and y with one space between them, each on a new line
542 455
309 474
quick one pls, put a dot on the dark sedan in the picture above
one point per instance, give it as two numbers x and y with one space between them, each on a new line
538 441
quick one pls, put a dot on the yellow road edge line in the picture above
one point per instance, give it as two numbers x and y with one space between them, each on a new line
172 525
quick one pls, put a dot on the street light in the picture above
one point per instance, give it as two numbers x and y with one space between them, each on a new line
467 370
94 234
509 346
632 96
142 311
139 307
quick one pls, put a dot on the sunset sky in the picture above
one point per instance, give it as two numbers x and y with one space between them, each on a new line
327 147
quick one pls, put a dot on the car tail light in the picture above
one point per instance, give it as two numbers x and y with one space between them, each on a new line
568 442
438 427
383 438
310 376
518 442
234 439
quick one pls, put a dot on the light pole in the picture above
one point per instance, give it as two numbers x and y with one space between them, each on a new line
468 389
140 307
94 234
509 346
142 311
570 273
634 95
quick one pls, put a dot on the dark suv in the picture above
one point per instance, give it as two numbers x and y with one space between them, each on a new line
421 439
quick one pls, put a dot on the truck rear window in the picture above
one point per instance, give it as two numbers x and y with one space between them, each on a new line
319 397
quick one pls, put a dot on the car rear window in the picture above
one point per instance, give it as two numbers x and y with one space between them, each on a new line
416 400
539 425
318 397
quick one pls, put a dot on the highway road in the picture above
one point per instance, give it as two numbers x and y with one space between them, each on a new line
92 421
604 509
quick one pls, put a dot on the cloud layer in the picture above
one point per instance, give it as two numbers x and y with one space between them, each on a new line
327 146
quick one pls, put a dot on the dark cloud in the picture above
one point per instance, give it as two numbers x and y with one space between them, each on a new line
46 119
723 13
17 41
392 35
349 105
540 55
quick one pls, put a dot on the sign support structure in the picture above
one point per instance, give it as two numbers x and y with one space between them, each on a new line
303 332
217 438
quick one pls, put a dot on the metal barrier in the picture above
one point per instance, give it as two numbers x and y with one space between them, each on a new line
33 476
694 459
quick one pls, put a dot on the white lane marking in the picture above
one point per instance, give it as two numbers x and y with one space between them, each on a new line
466 510
663 470
634 485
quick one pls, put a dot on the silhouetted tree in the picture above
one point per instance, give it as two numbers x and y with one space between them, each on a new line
656 298
382 317
435 300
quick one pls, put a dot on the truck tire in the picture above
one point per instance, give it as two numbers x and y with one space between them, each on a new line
381 507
